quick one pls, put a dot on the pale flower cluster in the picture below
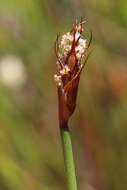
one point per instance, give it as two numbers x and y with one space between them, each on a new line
66 44
65 47
57 79
63 71
80 49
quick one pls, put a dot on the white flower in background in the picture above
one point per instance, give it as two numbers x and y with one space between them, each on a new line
12 71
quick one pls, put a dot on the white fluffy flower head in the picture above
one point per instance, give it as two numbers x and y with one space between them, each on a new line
69 50
67 42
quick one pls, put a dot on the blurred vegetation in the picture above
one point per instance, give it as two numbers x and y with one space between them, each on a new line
30 146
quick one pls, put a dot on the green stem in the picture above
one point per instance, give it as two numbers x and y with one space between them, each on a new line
68 159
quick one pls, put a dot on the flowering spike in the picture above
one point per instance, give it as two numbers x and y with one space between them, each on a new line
69 52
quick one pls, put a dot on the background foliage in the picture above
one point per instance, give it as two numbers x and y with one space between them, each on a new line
30 146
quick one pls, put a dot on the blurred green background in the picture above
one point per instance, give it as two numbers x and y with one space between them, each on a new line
30 145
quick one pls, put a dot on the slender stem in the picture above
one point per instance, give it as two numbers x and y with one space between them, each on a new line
68 159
